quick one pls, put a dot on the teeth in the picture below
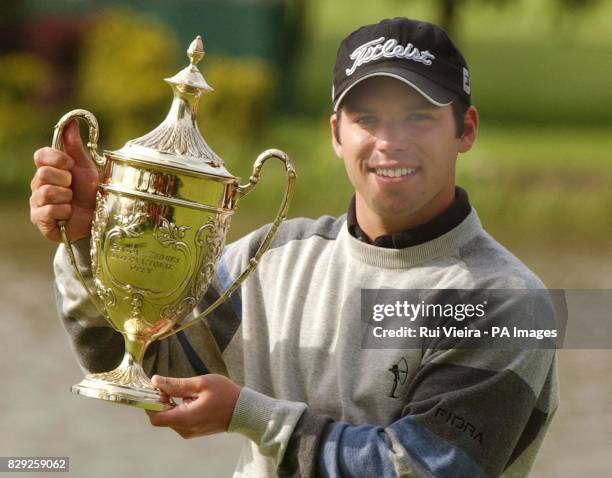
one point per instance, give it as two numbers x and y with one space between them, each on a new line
395 173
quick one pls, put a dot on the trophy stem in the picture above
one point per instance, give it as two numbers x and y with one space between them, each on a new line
127 384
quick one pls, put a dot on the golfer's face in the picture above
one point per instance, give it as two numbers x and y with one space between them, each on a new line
399 150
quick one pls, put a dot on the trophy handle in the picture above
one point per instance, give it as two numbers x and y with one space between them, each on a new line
99 161
281 215
94 132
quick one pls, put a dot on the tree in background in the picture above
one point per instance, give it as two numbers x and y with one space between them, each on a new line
448 9
293 38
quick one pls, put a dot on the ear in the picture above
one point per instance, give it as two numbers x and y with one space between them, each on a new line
470 130
333 123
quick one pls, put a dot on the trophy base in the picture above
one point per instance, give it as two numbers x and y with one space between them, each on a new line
127 384
126 395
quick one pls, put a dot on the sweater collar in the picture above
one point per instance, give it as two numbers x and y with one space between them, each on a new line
448 244
441 224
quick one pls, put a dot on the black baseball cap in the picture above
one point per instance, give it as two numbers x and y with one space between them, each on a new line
418 53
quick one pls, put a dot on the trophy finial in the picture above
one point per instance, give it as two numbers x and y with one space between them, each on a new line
178 136
190 76
195 52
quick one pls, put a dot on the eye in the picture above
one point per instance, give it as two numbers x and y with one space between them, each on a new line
367 119
418 117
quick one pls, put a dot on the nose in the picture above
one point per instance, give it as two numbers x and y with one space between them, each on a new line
392 137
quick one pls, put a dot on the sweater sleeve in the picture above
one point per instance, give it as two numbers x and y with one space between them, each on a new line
98 347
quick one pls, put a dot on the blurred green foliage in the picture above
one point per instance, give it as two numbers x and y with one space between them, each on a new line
123 61
22 84
547 82
240 107
125 58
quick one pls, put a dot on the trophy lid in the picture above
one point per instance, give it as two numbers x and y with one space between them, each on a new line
177 141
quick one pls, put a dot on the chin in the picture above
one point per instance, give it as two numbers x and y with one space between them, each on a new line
398 201
395 208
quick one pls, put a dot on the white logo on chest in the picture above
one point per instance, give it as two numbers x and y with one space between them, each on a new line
379 48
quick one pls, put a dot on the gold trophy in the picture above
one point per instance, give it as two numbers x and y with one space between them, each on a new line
163 209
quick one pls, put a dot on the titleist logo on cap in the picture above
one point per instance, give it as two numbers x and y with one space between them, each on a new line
379 48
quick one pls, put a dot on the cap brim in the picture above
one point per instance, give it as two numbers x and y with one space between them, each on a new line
432 92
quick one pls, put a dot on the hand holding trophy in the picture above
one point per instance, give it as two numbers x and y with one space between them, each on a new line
162 211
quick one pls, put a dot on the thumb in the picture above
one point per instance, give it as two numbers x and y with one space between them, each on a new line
177 387
73 145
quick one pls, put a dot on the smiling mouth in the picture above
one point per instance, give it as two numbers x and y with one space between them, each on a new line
396 172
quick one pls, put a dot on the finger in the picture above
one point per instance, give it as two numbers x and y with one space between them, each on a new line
51 213
178 417
154 413
50 194
45 219
52 157
184 432
50 175
167 399
178 387
73 145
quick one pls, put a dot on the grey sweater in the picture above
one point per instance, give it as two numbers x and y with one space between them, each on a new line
314 402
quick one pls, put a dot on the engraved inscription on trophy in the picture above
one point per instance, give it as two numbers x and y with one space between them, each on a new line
140 260
147 259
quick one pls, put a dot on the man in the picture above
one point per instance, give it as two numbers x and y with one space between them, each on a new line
295 380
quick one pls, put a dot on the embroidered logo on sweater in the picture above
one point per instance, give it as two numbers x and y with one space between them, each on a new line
400 375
